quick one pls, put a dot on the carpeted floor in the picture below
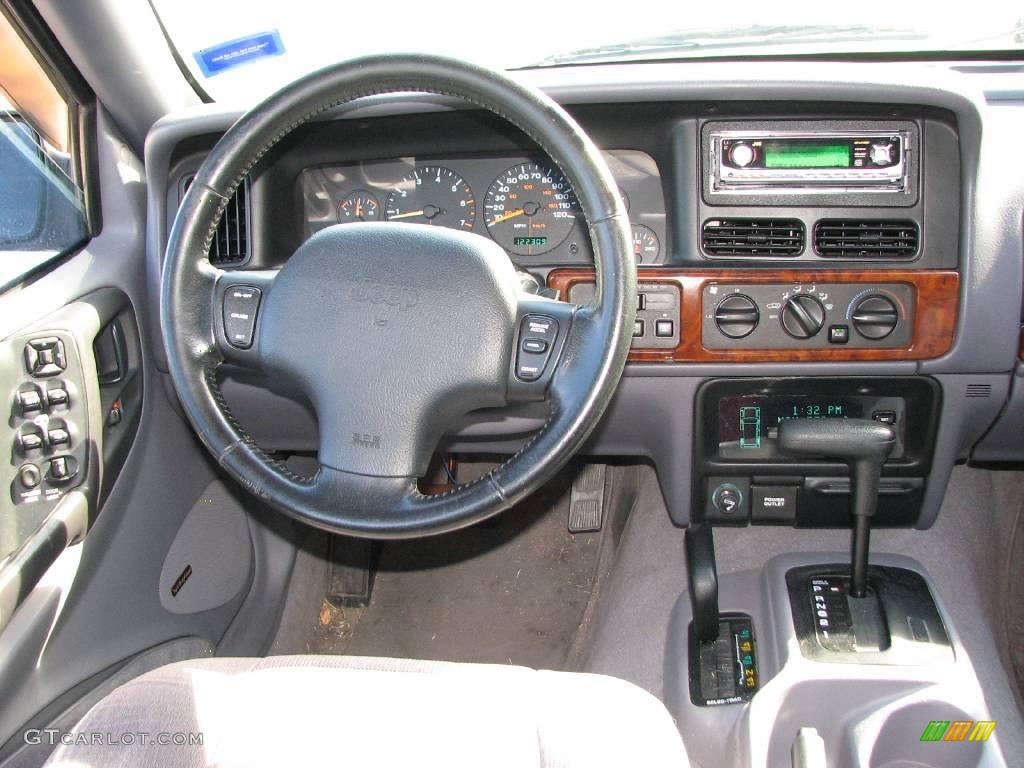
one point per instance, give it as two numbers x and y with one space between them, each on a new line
513 590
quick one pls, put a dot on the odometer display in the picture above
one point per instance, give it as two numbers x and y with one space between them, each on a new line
530 209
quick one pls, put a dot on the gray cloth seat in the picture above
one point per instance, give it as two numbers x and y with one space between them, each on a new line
353 711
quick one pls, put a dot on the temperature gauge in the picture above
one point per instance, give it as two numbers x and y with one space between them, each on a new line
359 206
646 247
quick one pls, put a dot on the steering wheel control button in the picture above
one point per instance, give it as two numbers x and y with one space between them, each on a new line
29 402
45 357
773 504
727 500
29 476
241 304
537 334
838 334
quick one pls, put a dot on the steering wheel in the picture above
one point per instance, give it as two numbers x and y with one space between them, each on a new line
394 330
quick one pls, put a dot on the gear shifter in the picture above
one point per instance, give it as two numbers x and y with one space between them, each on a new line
864 445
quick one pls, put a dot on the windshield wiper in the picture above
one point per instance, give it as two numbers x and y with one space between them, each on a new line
684 43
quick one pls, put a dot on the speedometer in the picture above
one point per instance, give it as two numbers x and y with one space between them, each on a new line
530 209
433 195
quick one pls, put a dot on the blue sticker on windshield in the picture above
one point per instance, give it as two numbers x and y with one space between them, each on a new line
245 50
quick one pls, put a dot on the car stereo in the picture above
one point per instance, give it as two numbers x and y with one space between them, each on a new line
821 159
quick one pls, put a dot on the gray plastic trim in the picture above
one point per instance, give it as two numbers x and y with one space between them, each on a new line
864 713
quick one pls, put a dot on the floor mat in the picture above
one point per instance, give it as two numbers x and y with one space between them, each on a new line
509 591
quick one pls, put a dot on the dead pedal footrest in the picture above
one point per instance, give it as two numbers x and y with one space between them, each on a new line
586 504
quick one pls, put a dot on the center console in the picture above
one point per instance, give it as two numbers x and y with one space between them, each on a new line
741 476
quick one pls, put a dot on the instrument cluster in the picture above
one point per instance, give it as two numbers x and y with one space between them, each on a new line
527 205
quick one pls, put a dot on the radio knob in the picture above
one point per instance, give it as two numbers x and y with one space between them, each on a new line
881 154
737 316
803 316
741 155
875 317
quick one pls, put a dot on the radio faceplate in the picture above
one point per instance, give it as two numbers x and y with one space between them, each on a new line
818 163
824 160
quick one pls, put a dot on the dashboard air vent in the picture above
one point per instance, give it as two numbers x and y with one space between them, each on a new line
230 244
857 239
753 237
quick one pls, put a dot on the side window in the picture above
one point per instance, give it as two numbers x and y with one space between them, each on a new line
42 211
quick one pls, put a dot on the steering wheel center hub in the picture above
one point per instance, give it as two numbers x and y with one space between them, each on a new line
390 329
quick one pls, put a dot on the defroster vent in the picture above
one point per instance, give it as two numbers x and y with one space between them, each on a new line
859 239
753 237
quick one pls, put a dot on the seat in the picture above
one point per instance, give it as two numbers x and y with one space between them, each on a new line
355 711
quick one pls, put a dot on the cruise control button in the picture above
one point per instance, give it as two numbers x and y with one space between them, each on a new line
538 334
241 305
29 476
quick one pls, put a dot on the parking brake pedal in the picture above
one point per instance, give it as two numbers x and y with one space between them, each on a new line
586 504
350 578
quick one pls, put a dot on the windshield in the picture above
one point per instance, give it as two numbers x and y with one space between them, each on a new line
241 50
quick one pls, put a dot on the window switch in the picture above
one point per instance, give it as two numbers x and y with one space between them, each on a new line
58 437
29 401
57 396
30 441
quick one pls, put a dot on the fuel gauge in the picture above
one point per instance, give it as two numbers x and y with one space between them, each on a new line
646 247
359 206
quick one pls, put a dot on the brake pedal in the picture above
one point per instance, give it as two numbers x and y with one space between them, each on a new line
586 504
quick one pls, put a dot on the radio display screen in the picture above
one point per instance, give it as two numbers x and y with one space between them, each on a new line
786 154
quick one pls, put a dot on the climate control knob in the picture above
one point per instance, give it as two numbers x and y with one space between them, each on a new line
803 316
737 316
875 317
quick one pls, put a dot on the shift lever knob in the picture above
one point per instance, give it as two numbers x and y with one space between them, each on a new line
864 445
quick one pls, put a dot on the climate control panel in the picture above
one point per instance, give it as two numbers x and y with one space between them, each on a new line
807 315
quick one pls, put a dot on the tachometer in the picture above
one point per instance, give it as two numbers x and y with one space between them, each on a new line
433 194
530 209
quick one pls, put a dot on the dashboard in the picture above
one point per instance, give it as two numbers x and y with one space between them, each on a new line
803 240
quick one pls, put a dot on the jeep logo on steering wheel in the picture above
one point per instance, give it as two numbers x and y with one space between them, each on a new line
384 293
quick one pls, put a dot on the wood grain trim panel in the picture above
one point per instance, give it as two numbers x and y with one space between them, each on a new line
937 294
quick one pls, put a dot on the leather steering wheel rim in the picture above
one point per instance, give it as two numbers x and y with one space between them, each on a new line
586 372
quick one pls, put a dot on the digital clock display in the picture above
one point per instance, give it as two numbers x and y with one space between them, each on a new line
529 242
749 424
